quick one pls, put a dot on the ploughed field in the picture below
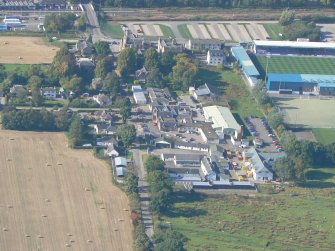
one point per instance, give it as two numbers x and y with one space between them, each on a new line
53 197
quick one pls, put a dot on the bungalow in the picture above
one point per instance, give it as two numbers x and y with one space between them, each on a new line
191 146
106 141
141 75
102 99
105 128
49 92
206 170
120 162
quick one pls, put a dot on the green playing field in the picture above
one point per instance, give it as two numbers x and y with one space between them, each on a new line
289 64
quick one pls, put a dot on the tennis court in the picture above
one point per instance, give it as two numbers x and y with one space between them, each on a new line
308 112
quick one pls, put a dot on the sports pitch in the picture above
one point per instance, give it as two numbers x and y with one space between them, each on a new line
308 112
289 64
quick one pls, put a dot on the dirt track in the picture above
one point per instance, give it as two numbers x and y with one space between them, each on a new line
54 194
25 50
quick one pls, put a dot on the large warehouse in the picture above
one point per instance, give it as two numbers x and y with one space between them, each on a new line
293 48
301 84
248 67
223 121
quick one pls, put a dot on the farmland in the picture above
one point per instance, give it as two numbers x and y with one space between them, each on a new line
264 221
302 65
54 197
25 50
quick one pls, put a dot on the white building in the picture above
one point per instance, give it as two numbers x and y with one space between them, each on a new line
203 44
215 57
120 162
49 92
102 99
138 95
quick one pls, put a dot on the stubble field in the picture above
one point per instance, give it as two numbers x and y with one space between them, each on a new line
25 50
56 198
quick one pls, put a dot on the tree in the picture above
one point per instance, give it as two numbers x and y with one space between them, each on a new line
102 48
64 63
184 72
151 59
126 134
81 23
34 82
275 118
168 239
36 96
284 167
131 182
126 62
125 108
155 78
167 61
154 163
111 84
63 120
301 29
59 22
287 17
76 130
103 67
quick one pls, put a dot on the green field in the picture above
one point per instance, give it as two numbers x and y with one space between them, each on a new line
112 29
288 64
184 32
166 31
324 135
308 112
264 222
16 67
273 30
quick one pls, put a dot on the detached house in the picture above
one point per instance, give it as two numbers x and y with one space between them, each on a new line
141 74
102 99
105 128
49 92
204 90
215 57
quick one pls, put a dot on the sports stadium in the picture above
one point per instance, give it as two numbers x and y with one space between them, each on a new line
297 67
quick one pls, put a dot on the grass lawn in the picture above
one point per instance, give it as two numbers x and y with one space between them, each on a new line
288 64
273 30
16 67
264 222
112 29
324 135
166 31
184 32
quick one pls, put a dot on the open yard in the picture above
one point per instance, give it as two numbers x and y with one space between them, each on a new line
25 50
288 64
307 112
324 135
273 30
112 29
260 222
53 197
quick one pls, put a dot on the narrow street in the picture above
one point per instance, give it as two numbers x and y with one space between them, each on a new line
143 193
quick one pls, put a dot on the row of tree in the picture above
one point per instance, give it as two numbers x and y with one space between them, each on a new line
210 3
62 22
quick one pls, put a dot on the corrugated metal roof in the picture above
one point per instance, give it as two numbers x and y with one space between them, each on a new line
295 44
221 117
320 80
244 60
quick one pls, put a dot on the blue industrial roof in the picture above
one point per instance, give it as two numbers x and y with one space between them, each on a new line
321 80
243 58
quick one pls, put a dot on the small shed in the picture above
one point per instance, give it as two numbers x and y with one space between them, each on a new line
120 162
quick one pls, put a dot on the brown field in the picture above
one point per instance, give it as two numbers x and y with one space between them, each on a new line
52 196
25 50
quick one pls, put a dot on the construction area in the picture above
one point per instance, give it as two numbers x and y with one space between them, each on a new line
53 197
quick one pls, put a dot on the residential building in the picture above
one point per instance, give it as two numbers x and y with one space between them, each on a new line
139 43
17 89
85 63
105 128
49 92
169 44
84 48
206 170
141 75
106 141
205 90
191 146
120 171
111 151
253 161
103 99
215 57
96 83
204 44
223 121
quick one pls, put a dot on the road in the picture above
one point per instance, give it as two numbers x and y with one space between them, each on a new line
91 16
70 108
143 193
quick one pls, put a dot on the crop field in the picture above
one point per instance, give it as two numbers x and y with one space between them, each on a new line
25 50
288 64
264 221
307 112
56 198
